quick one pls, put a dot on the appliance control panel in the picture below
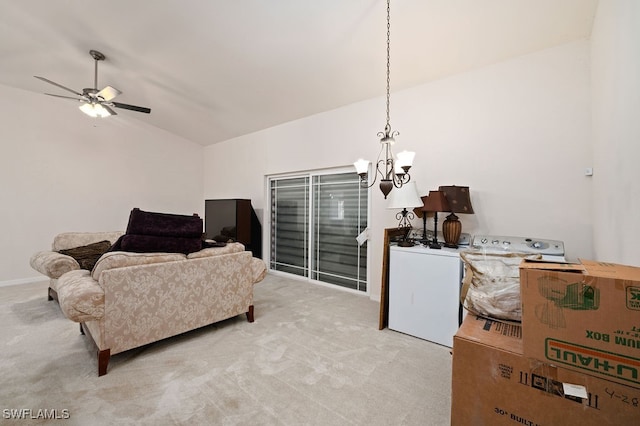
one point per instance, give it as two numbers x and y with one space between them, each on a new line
519 244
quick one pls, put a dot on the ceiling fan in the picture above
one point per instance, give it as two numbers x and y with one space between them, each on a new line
96 103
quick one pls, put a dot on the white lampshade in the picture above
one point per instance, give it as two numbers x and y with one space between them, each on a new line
362 166
405 158
405 197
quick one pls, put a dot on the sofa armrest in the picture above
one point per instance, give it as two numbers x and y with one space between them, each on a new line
258 269
217 251
53 264
68 240
81 297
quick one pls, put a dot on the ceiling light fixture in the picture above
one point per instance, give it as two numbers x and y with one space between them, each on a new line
95 110
393 172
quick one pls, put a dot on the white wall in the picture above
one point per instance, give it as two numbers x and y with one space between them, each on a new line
615 68
63 171
517 133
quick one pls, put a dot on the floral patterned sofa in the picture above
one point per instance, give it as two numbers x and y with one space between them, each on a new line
132 299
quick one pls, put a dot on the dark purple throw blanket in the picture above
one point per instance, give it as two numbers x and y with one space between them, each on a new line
149 232
164 224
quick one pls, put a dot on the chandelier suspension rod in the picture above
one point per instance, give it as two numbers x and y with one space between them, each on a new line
388 126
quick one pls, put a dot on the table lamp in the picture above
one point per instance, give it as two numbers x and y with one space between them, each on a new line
422 214
459 202
403 198
435 202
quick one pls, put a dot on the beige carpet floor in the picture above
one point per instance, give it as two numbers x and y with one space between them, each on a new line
314 356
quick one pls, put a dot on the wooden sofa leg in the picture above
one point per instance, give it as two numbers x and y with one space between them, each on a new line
81 329
250 313
52 295
103 361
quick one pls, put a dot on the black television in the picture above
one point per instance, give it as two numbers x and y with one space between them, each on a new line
231 220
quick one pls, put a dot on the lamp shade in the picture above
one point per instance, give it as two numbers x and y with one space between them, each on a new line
405 158
458 198
362 166
436 201
405 197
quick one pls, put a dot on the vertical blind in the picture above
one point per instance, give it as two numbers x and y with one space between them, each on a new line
314 224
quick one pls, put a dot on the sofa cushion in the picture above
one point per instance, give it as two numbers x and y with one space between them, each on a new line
216 251
81 298
88 255
164 224
120 259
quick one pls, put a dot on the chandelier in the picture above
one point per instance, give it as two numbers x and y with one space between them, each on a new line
392 172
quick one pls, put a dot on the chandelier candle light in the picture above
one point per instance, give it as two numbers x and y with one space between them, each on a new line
393 172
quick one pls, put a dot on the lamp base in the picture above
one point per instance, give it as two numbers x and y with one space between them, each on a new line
451 230
404 240
435 244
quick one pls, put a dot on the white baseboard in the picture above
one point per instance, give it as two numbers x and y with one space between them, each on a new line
20 281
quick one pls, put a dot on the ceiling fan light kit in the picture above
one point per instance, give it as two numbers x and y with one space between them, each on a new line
96 110
96 103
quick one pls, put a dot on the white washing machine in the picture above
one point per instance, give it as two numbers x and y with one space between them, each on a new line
424 292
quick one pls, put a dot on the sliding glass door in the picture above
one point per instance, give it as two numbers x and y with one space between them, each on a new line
290 225
315 220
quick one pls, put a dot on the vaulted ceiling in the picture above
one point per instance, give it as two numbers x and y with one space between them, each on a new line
212 70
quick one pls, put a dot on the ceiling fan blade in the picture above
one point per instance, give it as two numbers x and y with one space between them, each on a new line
59 85
131 107
108 93
65 97
108 108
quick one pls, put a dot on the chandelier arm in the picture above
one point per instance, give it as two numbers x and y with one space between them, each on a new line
400 180
387 173
363 180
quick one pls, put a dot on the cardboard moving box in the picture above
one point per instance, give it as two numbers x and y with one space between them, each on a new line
584 317
494 384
